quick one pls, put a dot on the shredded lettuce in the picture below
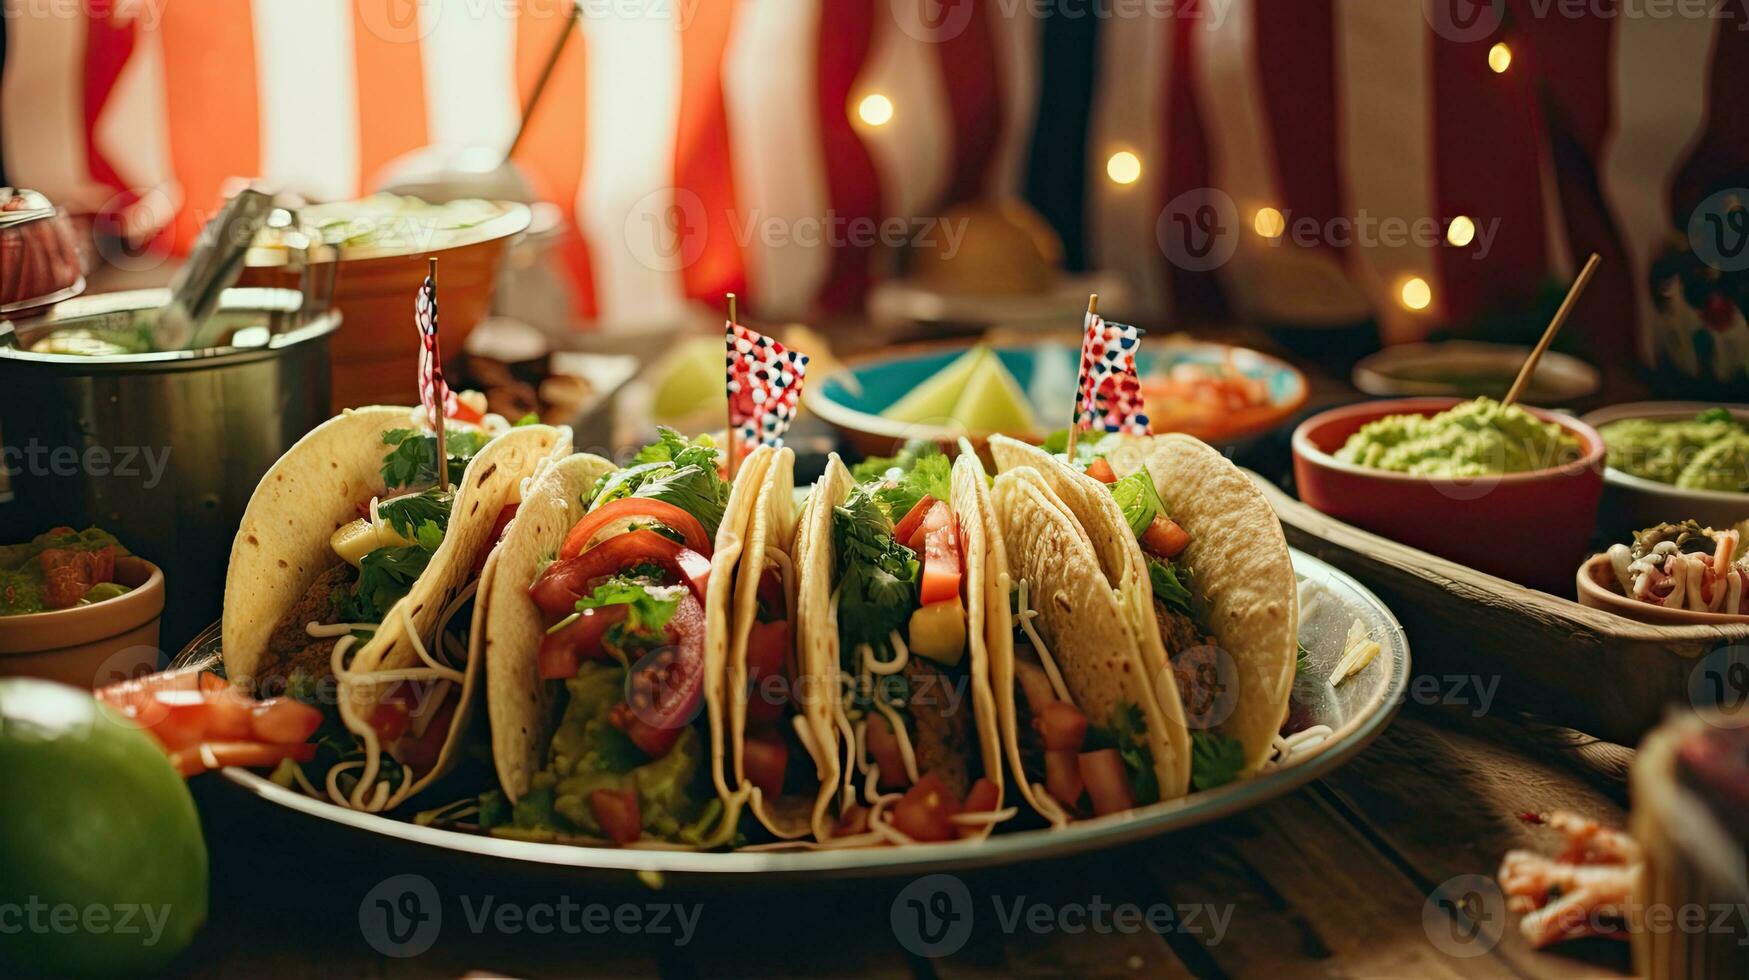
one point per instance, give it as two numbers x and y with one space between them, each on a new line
1171 585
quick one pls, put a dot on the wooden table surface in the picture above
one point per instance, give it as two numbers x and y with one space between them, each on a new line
1335 879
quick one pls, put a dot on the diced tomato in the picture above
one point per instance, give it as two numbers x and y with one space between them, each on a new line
773 603
853 821
667 686
1101 470
766 759
627 508
389 720
913 519
562 651
284 721
981 798
767 656
506 514
420 752
1062 726
883 745
1164 537
466 413
1107 784
941 556
180 718
617 812
1063 778
925 813
192 761
565 581
230 716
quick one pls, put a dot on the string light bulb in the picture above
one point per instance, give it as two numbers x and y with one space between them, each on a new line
1416 294
1269 223
875 109
1461 231
1500 58
1124 167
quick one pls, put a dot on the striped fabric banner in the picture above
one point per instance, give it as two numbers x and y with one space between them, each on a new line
700 148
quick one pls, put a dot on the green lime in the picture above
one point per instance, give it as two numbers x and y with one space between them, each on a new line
933 401
106 870
690 381
993 402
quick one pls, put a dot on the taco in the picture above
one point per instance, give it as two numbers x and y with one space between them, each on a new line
608 627
1204 587
349 586
894 615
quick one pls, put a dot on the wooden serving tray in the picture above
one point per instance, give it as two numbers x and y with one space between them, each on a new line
1591 670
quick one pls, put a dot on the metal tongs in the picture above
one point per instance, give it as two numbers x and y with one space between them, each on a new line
211 269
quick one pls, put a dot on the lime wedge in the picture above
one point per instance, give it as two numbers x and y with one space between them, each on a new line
992 401
933 402
690 382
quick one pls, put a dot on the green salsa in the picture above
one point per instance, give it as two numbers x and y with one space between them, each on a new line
1474 438
1707 452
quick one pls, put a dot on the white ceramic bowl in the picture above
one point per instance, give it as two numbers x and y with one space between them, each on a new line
1631 502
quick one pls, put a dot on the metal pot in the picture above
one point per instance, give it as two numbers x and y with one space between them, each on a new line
161 448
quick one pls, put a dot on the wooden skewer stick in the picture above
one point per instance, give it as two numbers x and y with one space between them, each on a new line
729 432
545 76
442 453
1075 409
1536 354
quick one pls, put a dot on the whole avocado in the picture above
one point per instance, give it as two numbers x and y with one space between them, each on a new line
106 869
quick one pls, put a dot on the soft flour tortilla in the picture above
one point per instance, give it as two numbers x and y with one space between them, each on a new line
1119 560
1245 588
508 630
987 631
1081 621
315 487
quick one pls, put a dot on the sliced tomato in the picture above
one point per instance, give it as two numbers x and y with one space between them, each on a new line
765 759
925 812
941 556
667 686
562 651
1107 783
389 720
1062 726
853 821
1164 537
178 719
466 413
1101 470
883 745
629 508
981 798
565 581
192 761
913 519
420 752
1063 778
773 603
767 656
230 716
284 721
616 810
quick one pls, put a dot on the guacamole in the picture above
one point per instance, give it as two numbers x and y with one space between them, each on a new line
1707 452
588 753
1474 438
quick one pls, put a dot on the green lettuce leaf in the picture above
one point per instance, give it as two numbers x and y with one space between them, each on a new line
673 470
1171 585
412 458
1215 760
1140 501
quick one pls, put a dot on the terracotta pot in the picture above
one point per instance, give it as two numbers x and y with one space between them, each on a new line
1531 528
89 646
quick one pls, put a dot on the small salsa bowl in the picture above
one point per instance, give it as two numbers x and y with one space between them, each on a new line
87 646
1596 595
1525 527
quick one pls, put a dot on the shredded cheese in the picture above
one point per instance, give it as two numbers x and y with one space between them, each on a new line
1358 650
1024 619
984 817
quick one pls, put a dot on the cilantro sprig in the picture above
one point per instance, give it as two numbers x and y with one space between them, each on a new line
1127 732
1215 760
412 458
877 575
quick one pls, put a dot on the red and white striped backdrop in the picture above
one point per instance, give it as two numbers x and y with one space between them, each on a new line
727 113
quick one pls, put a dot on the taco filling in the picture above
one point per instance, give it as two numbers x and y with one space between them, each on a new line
1681 566
623 606
905 692
377 559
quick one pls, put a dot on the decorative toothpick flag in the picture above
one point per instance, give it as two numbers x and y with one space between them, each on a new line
433 392
764 383
1109 395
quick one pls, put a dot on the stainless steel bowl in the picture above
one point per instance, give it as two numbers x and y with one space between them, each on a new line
163 448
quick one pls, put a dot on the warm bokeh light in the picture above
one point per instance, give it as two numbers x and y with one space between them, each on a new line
1417 295
876 109
1500 58
1269 223
1124 167
1461 231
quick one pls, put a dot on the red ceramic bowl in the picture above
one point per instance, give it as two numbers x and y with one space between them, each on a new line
1531 528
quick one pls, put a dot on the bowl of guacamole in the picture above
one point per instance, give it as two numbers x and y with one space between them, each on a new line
1670 460
77 607
1508 490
